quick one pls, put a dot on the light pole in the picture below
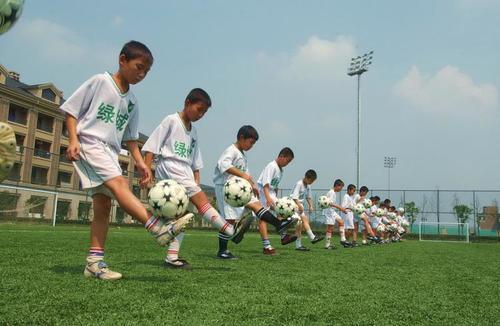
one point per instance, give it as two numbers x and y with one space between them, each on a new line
358 66
389 163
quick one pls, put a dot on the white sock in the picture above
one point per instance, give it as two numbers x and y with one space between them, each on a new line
364 241
173 248
328 240
211 215
298 243
342 233
310 234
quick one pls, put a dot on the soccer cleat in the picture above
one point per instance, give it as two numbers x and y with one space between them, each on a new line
317 239
101 271
241 227
302 248
177 264
288 239
330 247
346 244
165 232
269 251
226 255
285 224
354 244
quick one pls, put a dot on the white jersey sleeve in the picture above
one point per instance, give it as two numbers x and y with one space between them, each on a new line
132 130
79 102
157 138
295 194
197 159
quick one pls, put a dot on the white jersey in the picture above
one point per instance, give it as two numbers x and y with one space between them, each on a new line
301 191
271 175
176 148
348 202
103 112
232 157
332 195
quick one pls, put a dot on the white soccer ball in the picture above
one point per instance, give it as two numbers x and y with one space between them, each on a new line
405 224
391 215
368 203
286 207
10 11
168 199
401 210
381 228
237 191
359 209
324 202
392 227
380 212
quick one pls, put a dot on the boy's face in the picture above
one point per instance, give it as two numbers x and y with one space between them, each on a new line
363 193
351 191
134 70
309 181
195 111
246 143
283 161
338 188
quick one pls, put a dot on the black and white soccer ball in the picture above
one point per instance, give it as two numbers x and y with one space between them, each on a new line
359 209
367 202
168 199
286 207
381 228
10 11
324 202
237 191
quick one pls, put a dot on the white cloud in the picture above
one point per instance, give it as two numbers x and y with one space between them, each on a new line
59 44
448 90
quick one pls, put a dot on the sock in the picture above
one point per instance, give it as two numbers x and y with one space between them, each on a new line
342 233
265 215
95 255
310 234
223 239
210 214
151 223
328 241
364 241
174 246
298 243
266 243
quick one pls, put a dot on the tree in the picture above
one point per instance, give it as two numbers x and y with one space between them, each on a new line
411 212
462 212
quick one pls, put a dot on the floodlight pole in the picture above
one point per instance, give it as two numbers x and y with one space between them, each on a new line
358 66
389 163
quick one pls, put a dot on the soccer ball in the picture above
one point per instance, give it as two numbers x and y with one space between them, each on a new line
405 223
380 212
359 209
392 227
324 202
168 199
381 228
237 191
10 11
401 210
368 203
391 215
286 207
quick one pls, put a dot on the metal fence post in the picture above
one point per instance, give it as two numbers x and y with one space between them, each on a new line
437 205
474 212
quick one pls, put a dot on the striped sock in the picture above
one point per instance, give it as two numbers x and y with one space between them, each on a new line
173 248
266 243
210 214
328 240
151 223
95 254
223 239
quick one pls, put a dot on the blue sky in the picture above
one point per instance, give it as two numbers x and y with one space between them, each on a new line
430 97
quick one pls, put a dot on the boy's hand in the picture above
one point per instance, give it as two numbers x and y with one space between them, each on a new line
255 190
270 203
301 208
145 173
73 151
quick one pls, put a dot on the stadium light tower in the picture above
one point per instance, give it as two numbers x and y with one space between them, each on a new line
389 163
358 66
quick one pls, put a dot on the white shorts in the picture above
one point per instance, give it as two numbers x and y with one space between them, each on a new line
263 198
348 221
182 174
98 163
332 217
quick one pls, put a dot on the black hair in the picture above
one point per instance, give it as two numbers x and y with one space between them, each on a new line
311 174
199 95
134 49
286 152
393 207
350 187
248 132
338 182
373 198
387 201
363 189
377 198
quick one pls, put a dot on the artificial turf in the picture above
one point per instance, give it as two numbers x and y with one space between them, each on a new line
407 283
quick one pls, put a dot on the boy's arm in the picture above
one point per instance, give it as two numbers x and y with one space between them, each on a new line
310 204
269 201
73 151
142 168
196 174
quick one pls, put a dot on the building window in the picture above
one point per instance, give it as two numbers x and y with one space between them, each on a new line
42 149
45 123
49 94
84 210
39 175
20 143
62 154
15 173
18 114
64 179
36 205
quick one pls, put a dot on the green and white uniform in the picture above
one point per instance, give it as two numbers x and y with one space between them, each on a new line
271 175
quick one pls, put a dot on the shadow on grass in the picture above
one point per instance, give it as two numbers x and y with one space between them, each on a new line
64 269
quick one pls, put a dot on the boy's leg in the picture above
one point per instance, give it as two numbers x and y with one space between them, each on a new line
355 233
266 244
172 260
328 234
265 215
307 226
298 234
96 267
223 253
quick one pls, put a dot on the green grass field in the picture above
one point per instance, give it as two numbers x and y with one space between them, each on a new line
409 283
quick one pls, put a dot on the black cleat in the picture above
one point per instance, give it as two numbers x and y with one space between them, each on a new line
317 239
241 227
302 248
178 264
286 224
226 255
346 244
288 239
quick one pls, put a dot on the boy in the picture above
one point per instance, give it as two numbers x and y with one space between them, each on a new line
233 162
348 203
363 218
301 191
332 217
100 115
175 144
267 184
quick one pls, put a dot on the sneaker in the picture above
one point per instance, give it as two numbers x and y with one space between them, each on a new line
302 248
286 224
241 227
101 271
177 264
226 255
354 244
330 247
346 244
317 239
269 251
288 239
164 231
